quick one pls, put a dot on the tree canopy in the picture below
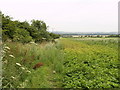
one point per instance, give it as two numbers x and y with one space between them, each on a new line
25 32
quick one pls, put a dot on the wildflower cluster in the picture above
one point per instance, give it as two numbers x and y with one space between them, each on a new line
13 70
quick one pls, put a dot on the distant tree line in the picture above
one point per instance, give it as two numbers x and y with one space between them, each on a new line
92 36
25 32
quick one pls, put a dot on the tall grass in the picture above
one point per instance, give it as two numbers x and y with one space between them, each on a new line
18 72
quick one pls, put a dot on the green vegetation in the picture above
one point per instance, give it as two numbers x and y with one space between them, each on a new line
24 32
91 63
69 63
18 62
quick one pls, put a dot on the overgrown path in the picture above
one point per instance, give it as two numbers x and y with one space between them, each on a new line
48 75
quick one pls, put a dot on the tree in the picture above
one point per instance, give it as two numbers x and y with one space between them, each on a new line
22 35
24 32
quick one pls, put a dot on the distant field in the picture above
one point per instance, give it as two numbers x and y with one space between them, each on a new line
91 63
97 39
68 63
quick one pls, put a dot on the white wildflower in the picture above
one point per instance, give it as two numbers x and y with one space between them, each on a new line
28 71
1 57
18 64
44 38
54 72
22 85
3 51
12 77
7 48
22 68
32 42
12 56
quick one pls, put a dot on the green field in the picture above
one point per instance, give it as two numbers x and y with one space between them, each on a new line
69 63
91 63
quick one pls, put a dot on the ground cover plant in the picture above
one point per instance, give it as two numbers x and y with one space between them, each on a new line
91 63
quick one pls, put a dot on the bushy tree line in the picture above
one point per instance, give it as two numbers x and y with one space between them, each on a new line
25 32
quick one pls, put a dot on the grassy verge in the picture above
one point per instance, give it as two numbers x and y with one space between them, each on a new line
18 62
71 63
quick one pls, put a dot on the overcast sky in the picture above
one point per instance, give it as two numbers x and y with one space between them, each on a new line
66 15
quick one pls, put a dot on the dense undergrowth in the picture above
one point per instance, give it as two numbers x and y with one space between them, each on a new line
18 62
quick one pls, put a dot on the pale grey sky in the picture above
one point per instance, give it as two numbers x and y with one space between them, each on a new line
66 15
